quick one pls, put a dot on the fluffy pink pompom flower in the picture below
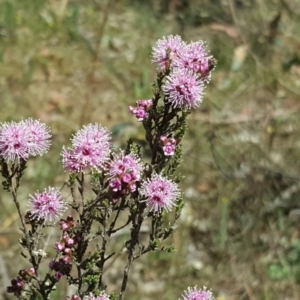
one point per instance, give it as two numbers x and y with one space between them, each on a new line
93 134
90 149
196 59
47 205
192 293
183 89
103 296
160 193
38 137
167 50
14 141
124 172
19 140
70 161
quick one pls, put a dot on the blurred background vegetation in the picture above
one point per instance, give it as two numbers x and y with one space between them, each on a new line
73 62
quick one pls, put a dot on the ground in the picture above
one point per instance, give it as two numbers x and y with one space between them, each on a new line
70 63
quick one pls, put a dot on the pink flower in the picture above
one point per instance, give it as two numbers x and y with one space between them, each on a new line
92 134
31 271
169 149
71 162
90 149
183 89
139 112
59 246
58 275
124 172
74 297
103 296
166 51
168 145
160 193
196 59
67 224
115 184
19 140
38 137
68 240
47 205
89 156
141 109
14 141
17 285
192 293
66 259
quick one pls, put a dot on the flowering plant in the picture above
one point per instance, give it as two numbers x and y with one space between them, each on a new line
127 189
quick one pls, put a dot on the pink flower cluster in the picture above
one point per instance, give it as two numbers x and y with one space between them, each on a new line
64 247
141 109
22 139
47 205
124 172
171 52
102 296
74 297
160 193
91 148
193 293
183 89
167 50
18 283
60 267
188 67
168 145
68 224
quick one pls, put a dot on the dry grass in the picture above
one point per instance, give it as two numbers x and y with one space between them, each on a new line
71 62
